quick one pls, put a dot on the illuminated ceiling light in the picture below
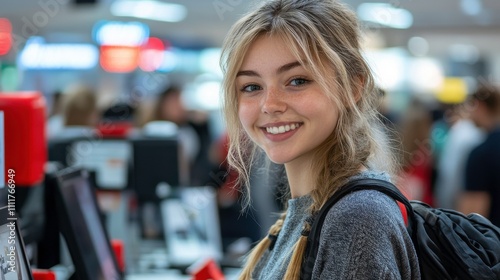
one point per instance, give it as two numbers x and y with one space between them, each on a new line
471 7
114 33
38 55
149 9
385 14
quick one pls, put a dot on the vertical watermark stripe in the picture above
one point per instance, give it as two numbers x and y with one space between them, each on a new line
12 219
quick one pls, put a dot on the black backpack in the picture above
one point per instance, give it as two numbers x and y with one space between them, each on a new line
449 244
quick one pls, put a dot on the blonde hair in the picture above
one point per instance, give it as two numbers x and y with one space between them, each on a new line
324 36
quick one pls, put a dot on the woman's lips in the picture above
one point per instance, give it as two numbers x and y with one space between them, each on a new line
280 131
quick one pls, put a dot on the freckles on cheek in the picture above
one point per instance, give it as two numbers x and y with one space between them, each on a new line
247 120
244 117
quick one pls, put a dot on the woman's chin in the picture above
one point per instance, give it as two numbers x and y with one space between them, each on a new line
278 159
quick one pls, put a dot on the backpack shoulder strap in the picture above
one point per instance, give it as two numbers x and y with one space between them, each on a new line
352 186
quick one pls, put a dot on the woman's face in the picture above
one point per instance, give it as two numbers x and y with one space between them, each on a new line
281 106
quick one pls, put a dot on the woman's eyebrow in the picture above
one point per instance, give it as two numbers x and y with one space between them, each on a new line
288 67
247 73
280 70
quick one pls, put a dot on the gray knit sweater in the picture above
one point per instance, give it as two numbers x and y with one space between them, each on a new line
363 237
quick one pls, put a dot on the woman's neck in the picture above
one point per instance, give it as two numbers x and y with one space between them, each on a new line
300 178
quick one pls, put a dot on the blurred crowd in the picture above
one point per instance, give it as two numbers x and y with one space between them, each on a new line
77 110
450 152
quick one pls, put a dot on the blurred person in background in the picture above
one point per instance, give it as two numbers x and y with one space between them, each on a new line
194 132
415 128
461 138
74 113
482 173
118 119
119 112
80 107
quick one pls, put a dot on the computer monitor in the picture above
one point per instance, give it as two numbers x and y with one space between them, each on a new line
83 229
156 167
60 146
48 247
58 150
14 263
191 226
108 159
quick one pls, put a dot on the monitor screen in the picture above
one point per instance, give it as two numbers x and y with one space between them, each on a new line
83 229
155 166
58 150
191 226
109 159
14 263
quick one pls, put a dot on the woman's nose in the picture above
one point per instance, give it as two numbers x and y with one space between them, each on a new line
274 102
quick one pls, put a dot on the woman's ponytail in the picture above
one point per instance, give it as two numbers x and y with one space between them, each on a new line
295 265
260 248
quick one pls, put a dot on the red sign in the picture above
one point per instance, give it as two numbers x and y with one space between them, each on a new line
152 54
5 36
119 59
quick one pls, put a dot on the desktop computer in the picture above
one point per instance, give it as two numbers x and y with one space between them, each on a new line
82 228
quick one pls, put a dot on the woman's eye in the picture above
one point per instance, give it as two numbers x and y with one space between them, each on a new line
250 88
298 82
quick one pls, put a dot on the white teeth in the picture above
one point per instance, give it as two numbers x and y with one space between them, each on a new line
281 129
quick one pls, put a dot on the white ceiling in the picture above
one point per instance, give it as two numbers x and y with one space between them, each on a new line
442 21
204 25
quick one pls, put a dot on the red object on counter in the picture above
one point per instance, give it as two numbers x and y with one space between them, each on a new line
24 132
117 246
208 270
39 274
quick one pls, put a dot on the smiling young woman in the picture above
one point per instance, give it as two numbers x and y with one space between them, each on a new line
282 109
297 88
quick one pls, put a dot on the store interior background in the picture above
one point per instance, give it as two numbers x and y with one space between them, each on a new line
434 51
453 32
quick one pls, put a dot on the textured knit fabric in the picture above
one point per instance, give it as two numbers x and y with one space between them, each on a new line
363 237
